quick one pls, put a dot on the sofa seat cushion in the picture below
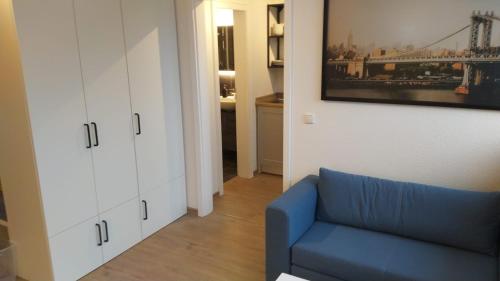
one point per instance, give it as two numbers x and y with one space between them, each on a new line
354 254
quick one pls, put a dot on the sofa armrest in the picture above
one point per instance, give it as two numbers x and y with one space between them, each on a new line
287 219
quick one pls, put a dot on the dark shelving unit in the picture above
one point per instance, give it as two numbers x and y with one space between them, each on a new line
275 43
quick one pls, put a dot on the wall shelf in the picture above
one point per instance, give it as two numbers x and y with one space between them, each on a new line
275 42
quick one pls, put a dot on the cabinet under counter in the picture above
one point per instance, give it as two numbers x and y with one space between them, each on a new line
270 134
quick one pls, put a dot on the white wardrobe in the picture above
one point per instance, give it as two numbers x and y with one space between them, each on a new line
103 99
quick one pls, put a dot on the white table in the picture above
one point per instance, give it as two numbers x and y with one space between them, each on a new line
286 277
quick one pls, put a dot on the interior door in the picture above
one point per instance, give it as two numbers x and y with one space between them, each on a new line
160 208
57 109
104 69
121 229
76 251
150 35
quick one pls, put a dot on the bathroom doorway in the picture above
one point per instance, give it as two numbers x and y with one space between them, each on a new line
258 74
224 20
249 87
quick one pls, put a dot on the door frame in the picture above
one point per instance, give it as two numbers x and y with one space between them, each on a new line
245 163
201 106
289 77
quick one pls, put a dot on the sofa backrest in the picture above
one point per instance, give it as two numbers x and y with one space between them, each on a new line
464 219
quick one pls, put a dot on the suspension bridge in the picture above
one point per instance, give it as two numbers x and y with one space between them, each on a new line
474 59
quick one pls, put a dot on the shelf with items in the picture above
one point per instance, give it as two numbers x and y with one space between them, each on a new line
275 35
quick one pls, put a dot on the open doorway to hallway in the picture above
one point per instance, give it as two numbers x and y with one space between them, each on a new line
224 20
250 52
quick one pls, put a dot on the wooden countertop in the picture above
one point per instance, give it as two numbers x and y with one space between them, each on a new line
269 101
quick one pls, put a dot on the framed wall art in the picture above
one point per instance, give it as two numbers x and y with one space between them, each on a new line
427 52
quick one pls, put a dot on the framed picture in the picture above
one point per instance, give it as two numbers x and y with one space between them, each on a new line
427 52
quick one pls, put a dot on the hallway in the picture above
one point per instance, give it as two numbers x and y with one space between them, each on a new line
226 245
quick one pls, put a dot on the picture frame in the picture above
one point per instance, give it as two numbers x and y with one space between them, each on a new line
368 62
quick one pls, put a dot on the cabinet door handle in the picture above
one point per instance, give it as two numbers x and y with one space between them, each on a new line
145 210
99 234
139 130
106 240
89 140
96 134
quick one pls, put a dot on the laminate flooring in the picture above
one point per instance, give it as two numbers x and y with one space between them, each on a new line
227 245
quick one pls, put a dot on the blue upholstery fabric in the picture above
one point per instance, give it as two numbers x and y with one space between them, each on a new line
311 275
463 219
354 254
287 219
416 260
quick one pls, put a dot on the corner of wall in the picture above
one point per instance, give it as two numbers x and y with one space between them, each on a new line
26 224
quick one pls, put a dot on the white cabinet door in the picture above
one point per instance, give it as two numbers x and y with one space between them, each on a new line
270 139
107 95
56 103
150 35
76 251
162 206
121 228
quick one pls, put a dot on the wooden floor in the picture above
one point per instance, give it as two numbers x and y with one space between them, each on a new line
227 245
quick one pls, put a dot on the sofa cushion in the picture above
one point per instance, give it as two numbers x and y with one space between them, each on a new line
355 254
459 218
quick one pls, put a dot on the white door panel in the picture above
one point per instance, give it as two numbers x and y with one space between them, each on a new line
162 206
150 36
57 109
270 140
76 251
104 70
121 228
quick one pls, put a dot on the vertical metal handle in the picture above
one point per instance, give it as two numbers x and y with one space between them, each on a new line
96 134
145 210
106 240
89 143
139 130
99 242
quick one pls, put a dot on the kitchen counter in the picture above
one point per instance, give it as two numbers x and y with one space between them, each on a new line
271 100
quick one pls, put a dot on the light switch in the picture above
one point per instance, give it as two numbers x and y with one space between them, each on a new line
309 118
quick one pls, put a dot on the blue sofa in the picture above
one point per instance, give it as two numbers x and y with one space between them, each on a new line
344 227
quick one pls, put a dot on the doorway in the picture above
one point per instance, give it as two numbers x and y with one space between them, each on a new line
249 85
238 152
224 21
254 79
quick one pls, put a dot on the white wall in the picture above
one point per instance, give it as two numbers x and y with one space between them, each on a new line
443 146
264 81
198 97
17 163
185 41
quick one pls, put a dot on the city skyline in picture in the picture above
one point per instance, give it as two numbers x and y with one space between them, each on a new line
399 23
427 52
